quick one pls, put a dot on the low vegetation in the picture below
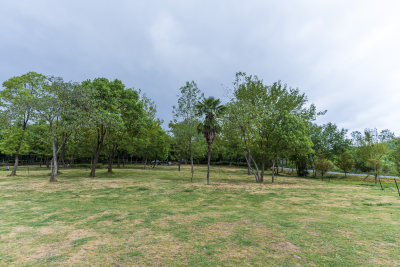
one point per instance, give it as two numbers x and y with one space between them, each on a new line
137 216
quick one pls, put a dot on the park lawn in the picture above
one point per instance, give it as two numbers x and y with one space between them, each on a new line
158 217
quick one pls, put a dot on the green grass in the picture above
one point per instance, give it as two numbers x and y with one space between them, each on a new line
158 217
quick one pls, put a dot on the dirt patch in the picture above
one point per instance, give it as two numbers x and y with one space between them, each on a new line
285 246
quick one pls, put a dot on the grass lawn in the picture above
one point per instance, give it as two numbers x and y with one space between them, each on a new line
158 217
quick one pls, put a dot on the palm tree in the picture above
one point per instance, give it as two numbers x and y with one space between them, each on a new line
212 109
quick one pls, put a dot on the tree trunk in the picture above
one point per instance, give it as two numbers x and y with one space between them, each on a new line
14 170
250 159
248 166
191 158
208 163
94 162
262 168
111 159
179 165
62 160
54 165
118 162
100 139
273 171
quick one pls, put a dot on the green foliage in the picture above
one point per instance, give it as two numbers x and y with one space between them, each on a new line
371 147
186 119
212 109
345 162
396 157
323 165
14 141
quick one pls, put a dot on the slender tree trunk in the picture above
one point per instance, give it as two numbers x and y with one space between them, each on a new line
118 162
111 159
54 166
273 171
249 160
179 165
208 163
100 139
262 168
191 158
14 170
248 166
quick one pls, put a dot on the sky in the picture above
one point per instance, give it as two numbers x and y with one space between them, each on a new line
344 55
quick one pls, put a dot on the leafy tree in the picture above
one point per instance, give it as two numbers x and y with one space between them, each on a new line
328 140
371 147
127 124
323 165
212 109
105 114
396 156
61 105
19 98
261 115
179 142
185 112
345 162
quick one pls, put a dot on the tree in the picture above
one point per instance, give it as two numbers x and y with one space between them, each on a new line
105 96
371 147
179 142
345 162
127 124
62 105
396 156
323 165
185 112
328 140
212 109
261 115
19 97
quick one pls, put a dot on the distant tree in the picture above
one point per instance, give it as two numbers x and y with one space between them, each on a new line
371 147
396 157
179 142
345 162
212 109
328 140
19 97
185 113
323 165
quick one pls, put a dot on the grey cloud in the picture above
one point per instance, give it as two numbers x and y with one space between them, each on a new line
343 54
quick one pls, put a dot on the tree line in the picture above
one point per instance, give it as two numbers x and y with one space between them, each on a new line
59 123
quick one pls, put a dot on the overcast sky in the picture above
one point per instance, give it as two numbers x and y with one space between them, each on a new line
345 55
